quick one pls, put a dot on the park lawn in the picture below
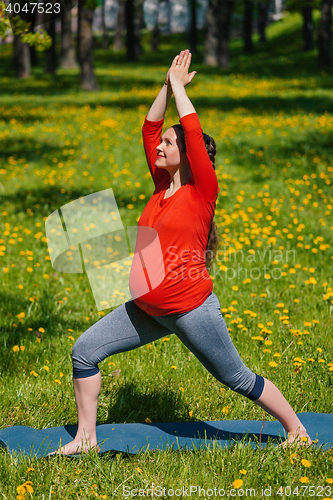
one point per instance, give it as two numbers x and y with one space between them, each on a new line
270 117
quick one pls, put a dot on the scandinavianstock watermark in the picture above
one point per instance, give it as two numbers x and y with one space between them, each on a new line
123 263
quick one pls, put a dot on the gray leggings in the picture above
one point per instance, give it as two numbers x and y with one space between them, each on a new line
203 330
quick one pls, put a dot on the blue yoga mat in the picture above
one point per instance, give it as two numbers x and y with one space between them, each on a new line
132 438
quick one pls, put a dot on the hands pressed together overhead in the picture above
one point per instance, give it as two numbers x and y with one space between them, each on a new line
176 80
178 73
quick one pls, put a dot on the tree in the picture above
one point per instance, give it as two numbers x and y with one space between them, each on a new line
307 26
105 43
50 53
118 44
21 59
156 31
11 24
33 53
134 22
130 39
217 33
325 34
305 7
85 45
18 26
263 7
67 42
193 29
248 26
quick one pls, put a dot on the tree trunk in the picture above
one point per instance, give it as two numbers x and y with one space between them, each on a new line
307 27
21 60
88 80
325 34
118 38
130 37
105 43
33 52
154 39
262 19
21 53
50 54
248 26
139 24
216 43
193 30
67 42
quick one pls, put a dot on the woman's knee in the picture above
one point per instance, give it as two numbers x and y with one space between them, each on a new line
83 363
246 383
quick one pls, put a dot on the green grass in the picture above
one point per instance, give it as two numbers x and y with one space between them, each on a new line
270 115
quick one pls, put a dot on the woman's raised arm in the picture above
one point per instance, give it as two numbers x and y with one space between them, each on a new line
159 106
179 78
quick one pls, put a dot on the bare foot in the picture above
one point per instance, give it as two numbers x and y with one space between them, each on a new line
76 447
299 438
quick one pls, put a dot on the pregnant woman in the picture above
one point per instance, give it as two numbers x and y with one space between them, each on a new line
181 211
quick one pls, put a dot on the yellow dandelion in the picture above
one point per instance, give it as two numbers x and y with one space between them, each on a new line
329 480
139 470
237 483
46 368
28 486
291 458
304 479
243 471
273 364
16 348
305 463
148 421
190 413
174 367
20 489
57 381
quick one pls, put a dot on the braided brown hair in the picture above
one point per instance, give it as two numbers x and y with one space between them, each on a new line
213 236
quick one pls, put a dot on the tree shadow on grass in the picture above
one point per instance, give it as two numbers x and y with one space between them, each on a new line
261 104
28 148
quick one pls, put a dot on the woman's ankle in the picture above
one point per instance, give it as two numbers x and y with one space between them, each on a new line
87 438
299 430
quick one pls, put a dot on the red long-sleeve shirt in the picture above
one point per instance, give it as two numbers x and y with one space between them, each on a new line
174 263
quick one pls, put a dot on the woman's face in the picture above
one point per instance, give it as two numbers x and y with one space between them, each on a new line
169 152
